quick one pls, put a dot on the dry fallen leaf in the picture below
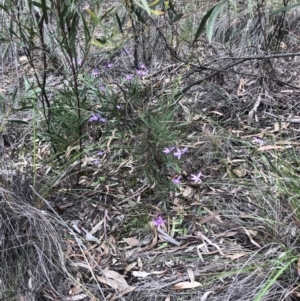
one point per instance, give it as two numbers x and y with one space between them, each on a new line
186 285
250 238
77 297
204 297
235 256
240 172
130 267
140 274
191 275
208 218
270 147
132 241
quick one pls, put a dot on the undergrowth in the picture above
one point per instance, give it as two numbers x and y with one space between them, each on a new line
139 124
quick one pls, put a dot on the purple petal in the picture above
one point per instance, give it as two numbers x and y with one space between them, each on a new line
129 77
258 141
159 221
94 117
109 65
142 66
95 72
184 150
168 150
141 72
101 153
102 88
177 181
177 153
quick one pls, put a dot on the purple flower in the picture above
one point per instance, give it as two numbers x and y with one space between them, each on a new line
97 117
196 179
258 141
79 62
109 65
141 72
159 221
101 153
129 77
119 107
95 72
101 88
168 150
179 152
177 181
142 66
96 162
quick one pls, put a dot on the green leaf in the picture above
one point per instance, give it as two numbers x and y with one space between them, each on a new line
18 121
156 12
156 2
119 23
284 8
172 7
44 10
201 27
139 16
146 6
177 18
211 20
87 34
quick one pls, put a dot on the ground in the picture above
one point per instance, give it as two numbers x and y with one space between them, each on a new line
178 180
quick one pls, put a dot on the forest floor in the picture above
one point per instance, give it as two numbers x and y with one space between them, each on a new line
171 198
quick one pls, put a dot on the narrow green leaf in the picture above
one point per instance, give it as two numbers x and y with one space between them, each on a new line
156 2
202 25
284 8
212 19
146 6
87 33
44 10
104 15
18 121
177 18
156 12
119 23
139 16
172 7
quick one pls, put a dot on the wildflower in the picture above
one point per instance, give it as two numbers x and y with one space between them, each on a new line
95 72
141 72
129 77
109 65
101 153
79 62
96 162
196 179
176 181
119 107
101 88
179 152
168 150
97 117
159 221
258 141
142 66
